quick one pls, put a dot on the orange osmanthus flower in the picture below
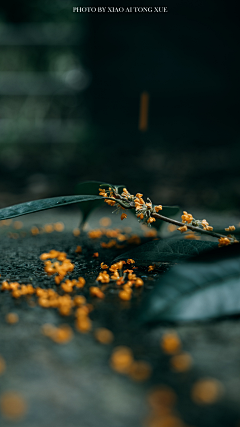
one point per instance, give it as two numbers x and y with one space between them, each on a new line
123 216
223 241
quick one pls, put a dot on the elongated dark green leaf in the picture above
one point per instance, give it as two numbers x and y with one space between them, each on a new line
197 290
91 187
41 205
167 250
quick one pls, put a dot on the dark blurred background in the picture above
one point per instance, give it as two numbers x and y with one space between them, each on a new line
70 88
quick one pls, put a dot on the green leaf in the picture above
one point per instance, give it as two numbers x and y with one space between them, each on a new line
40 205
169 250
91 187
200 289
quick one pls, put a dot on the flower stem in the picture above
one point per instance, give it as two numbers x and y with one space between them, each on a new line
131 205
190 227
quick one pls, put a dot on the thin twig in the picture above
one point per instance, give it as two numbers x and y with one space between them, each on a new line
191 227
131 205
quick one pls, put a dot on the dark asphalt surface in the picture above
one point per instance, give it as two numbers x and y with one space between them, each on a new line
72 384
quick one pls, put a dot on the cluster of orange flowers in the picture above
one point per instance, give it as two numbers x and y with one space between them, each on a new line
192 235
140 204
103 335
110 233
119 276
183 228
103 192
95 234
61 335
189 233
204 391
114 234
55 267
162 400
103 277
46 228
126 193
17 289
224 241
134 240
122 361
206 225
144 212
96 292
110 202
158 208
110 244
56 263
48 298
151 220
188 218
68 285
230 228
83 323
65 304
